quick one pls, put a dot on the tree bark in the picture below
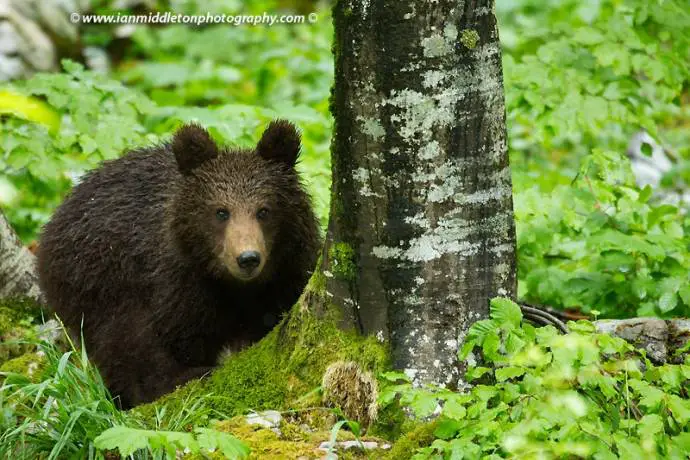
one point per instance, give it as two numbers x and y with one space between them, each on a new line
18 278
421 230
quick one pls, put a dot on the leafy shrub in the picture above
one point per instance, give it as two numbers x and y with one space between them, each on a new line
98 118
581 78
601 244
539 394
587 74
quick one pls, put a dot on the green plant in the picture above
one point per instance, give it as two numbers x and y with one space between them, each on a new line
581 78
587 74
352 425
101 119
602 243
66 411
539 394
60 413
166 444
98 119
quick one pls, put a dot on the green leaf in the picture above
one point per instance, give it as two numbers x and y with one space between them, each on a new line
491 345
660 212
668 301
510 372
647 150
227 444
447 428
29 108
628 449
680 408
684 293
126 440
395 377
453 408
588 36
650 425
334 437
473 373
650 397
62 363
129 440
505 312
423 405
645 194
683 442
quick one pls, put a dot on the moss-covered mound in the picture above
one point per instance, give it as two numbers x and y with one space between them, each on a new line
18 320
281 370
290 441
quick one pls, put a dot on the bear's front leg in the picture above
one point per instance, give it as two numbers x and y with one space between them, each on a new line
143 369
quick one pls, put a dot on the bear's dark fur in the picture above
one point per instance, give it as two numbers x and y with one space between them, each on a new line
172 253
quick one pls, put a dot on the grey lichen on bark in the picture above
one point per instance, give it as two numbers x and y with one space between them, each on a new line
421 187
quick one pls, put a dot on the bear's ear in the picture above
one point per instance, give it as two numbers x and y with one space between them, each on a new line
192 146
280 142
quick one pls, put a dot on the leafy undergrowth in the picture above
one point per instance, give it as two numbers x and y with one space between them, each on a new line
62 409
600 243
58 411
54 404
538 394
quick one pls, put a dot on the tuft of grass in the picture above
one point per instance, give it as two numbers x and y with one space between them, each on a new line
60 413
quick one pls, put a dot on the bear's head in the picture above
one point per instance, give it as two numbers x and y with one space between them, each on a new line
233 211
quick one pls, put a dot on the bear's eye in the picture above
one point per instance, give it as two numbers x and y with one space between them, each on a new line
222 214
262 213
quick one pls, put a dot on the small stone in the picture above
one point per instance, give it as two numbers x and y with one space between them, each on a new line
678 337
344 445
268 419
649 334
306 428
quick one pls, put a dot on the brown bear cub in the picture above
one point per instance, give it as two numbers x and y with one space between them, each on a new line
171 253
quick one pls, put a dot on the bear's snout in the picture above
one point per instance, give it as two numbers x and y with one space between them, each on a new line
246 247
249 260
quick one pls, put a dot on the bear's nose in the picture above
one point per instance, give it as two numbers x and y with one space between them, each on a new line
249 260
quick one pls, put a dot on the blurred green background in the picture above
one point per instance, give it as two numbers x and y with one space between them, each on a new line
581 79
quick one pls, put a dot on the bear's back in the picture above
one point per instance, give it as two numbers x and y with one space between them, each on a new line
109 228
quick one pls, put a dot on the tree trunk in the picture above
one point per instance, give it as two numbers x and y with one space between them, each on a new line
421 230
18 278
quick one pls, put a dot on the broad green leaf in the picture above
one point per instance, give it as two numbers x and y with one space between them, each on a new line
228 445
453 408
505 312
29 108
447 428
510 372
126 440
